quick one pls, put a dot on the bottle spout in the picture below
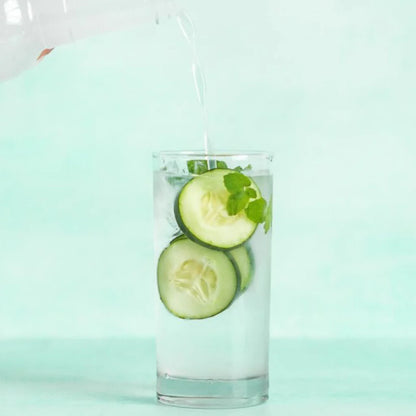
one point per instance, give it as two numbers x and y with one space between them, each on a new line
30 29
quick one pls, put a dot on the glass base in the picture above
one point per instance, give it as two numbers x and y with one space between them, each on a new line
219 394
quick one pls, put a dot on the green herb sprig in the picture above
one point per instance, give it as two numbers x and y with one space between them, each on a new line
200 166
268 216
244 197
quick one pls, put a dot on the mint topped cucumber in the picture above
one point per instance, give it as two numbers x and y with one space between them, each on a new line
210 214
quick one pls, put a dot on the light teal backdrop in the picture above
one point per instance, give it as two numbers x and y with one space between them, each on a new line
327 85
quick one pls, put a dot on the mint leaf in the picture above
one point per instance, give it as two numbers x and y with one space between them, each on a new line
235 182
268 216
236 203
221 164
255 210
197 166
251 193
239 168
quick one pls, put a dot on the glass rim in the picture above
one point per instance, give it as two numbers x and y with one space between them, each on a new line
203 155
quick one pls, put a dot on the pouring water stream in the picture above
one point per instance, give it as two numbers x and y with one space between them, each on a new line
188 30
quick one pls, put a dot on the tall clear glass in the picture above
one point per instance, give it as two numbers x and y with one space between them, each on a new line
213 253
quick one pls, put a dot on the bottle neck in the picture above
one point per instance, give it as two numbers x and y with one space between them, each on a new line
65 21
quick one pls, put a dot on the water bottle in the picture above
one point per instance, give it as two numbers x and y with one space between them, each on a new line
30 29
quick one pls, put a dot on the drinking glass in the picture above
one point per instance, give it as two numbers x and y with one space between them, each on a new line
212 241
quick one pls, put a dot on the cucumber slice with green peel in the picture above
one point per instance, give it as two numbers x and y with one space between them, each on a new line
201 212
179 237
196 282
244 260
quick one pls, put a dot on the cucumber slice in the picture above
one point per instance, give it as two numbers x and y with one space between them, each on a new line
179 237
201 212
196 282
244 259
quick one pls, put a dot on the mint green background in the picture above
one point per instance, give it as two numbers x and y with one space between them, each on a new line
326 85
314 377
